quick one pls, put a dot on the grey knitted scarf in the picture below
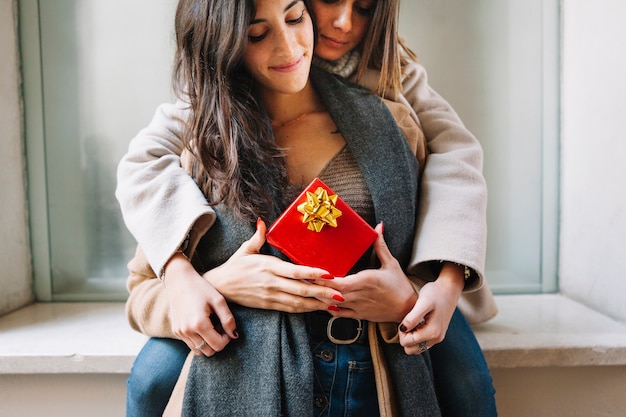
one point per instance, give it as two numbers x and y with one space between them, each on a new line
345 66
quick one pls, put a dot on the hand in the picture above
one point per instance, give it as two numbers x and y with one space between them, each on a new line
428 321
381 295
193 301
254 280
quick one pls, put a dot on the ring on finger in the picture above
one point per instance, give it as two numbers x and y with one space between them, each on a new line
422 347
201 345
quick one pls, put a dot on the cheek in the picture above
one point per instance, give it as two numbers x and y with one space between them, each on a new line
307 36
322 17
309 40
359 27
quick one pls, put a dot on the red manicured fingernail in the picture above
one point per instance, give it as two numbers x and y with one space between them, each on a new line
339 298
382 227
258 223
328 276
334 308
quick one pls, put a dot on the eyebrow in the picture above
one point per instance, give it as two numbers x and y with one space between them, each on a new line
289 6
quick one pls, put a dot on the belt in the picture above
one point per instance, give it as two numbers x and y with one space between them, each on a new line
339 330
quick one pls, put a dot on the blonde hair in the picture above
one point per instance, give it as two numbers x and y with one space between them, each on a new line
383 49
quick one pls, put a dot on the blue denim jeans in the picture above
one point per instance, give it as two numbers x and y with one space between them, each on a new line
153 376
344 382
462 380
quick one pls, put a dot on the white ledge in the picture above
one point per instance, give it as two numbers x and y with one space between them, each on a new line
94 338
550 330
44 338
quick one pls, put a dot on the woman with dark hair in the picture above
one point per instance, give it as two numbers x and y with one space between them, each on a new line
260 128
358 39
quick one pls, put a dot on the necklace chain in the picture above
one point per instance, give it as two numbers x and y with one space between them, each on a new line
276 125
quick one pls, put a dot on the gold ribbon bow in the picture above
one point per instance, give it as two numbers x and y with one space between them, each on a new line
319 210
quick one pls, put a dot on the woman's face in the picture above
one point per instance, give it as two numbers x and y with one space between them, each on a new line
280 45
341 25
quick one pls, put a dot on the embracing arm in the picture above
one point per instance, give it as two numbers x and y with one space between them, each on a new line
452 217
161 204
147 306
451 222
179 305
180 311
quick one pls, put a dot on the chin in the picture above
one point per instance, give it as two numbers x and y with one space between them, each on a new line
329 54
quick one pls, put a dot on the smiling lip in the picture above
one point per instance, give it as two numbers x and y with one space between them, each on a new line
333 42
290 66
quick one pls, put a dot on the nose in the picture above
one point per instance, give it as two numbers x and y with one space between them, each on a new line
343 18
285 42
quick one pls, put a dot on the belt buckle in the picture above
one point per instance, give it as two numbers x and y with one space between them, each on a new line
329 331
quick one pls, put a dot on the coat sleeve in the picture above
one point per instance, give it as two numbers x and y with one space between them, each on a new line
161 204
452 219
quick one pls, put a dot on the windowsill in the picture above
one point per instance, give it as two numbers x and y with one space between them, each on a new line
54 338
550 330
529 331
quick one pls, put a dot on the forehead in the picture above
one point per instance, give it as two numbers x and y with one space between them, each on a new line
273 6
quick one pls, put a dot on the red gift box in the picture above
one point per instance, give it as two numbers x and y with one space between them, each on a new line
319 229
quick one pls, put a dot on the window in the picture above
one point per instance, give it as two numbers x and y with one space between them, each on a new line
95 71
497 63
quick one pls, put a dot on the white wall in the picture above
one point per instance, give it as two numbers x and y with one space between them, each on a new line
15 270
593 162
63 395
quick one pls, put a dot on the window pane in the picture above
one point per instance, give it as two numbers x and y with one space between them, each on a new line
489 59
105 67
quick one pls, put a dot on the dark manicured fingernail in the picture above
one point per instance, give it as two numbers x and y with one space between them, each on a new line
339 298
403 328
236 333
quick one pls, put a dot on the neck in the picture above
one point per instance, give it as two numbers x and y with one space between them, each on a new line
284 108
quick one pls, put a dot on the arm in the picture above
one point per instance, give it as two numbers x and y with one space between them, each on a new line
161 204
179 305
155 310
451 223
147 307
452 220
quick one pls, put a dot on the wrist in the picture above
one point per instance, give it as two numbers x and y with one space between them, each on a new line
177 265
454 276
409 301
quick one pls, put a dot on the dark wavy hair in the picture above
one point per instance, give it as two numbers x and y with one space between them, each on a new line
236 161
